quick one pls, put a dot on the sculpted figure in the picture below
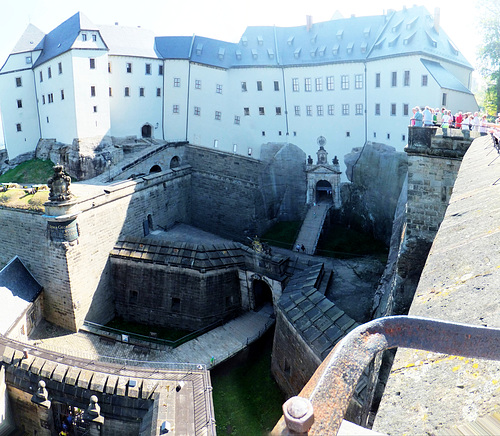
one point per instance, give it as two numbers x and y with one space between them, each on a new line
59 185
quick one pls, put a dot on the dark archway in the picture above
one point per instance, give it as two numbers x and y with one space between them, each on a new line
146 131
262 294
324 191
175 162
155 169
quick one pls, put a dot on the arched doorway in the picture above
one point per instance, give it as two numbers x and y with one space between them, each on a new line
262 294
155 169
324 191
146 131
175 162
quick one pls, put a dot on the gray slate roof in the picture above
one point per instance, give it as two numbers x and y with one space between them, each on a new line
338 40
317 319
443 77
31 40
18 280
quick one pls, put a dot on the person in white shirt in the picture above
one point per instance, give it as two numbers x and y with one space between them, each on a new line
445 122
465 126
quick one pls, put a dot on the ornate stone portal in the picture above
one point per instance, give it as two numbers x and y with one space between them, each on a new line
323 179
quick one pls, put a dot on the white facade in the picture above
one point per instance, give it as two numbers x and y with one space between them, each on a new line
349 81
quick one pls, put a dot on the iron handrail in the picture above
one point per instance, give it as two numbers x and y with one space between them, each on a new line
332 385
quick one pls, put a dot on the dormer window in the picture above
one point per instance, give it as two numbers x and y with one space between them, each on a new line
314 38
322 50
313 52
340 34
94 37
238 54
244 40
260 40
290 40
394 41
364 47
84 37
408 39
350 47
296 53
222 52
396 27
254 53
335 49
366 32
199 49
431 40
411 23
270 53
453 48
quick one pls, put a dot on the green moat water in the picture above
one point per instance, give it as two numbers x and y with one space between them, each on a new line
247 400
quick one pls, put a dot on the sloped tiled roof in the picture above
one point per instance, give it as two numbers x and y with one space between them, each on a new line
443 77
30 40
18 280
316 318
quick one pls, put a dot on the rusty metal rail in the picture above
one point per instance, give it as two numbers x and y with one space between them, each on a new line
331 387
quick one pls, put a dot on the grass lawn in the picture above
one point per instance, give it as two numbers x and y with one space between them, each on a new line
35 171
168 334
342 242
20 199
247 400
283 234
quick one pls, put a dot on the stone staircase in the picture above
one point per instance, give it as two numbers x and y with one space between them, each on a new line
311 227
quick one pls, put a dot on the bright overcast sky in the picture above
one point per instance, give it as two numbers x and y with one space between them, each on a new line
219 19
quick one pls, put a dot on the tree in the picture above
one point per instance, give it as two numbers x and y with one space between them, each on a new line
489 53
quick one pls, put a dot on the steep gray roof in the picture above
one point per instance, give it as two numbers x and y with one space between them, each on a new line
18 280
30 40
443 77
129 41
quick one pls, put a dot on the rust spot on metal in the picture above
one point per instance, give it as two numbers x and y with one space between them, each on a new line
332 385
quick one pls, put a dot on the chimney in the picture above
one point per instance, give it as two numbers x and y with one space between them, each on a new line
437 16
309 22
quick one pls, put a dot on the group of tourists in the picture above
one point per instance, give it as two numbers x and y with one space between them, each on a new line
466 122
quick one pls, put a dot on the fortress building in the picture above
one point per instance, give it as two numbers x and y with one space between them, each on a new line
348 81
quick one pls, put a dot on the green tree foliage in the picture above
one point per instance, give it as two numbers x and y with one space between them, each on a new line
489 53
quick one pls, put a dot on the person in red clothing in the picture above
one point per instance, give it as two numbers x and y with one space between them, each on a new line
458 120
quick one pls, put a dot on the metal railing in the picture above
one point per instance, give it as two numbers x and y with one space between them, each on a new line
321 405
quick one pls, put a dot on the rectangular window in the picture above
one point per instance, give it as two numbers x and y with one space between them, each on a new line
197 111
309 110
406 80
403 137
278 110
443 102
276 85
158 92
218 115
19 82
358 81
19 127
406 109
41 76
249 151
176 304
297 111
109 67
49 72
246 111
295 85
129 67
175 109
92 63
95 108
110 92
259 85
92 91
243 86
307 84
160 70
331 109
237 119
177 82
377 80
197 84
319 110
344 82
48 121
261 110
84 37
319 83
28 60
347 134
127 91
359 109
330 84
216 143
62 94
218 89
19 104
345 109
148 69
235 148
141 92
377 108
388 136
424 79
394 78
94 38
43 99
59 67
393 109
50 97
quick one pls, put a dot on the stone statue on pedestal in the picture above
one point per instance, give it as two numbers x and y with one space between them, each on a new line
59 185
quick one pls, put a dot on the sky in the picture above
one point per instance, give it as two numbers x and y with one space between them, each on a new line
221 19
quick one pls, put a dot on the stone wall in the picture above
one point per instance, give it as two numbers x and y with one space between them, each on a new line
167 296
